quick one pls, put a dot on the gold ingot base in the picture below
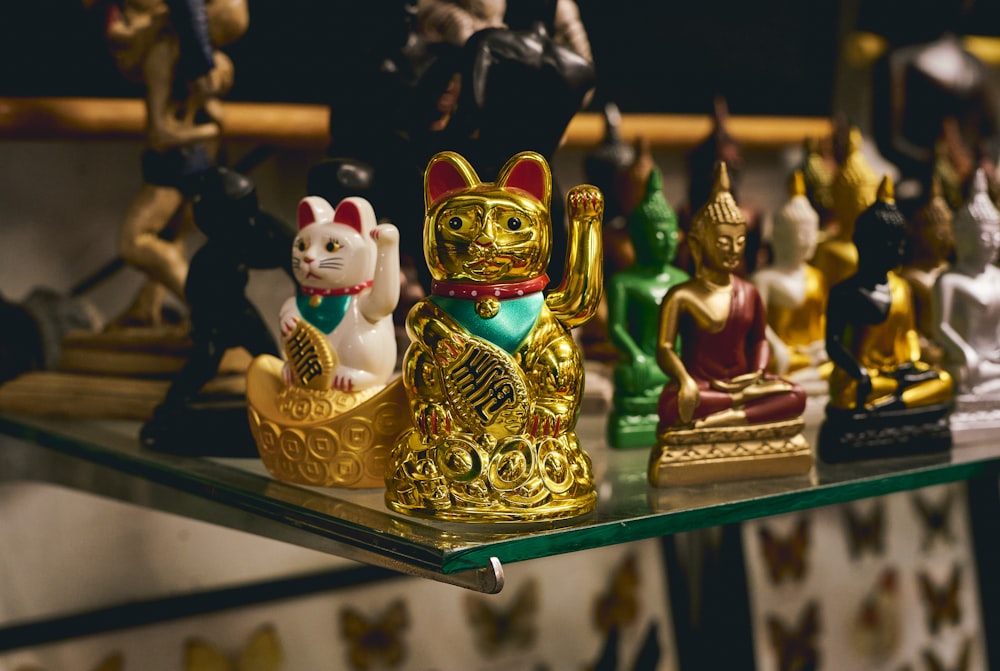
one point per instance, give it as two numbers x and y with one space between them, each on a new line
521 479
323 438
698 456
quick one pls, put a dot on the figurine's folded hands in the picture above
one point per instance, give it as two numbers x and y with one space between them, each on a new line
738 383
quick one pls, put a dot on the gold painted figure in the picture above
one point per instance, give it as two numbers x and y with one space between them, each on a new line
493 376
931 243
854 188
883 399
722 417
794 292
172 47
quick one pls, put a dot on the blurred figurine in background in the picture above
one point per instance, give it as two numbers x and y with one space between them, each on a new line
607 167
930 246
818 168
34 330
240 237
171 46
927 86
854 188
967 298
884 400
633 298
794 292
436 75
720 395
493 375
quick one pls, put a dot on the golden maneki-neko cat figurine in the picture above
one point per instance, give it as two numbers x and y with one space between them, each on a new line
493 375
722 416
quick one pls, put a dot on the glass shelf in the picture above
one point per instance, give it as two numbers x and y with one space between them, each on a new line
106 458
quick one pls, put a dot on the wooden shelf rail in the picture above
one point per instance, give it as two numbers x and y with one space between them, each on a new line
300 125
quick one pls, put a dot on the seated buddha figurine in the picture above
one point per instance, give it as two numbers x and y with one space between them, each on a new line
722 417
884 400
967 300
853 191
634 295
794 292
930 244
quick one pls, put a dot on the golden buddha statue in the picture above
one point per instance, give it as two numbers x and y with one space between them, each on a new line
883 399
931 242
853 191
818 172
793 291
720 395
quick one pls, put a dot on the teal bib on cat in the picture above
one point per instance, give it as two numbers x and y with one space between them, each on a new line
327 315
507 329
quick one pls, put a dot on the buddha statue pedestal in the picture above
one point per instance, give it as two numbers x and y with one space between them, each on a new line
694 456
632 421
975 417
847 435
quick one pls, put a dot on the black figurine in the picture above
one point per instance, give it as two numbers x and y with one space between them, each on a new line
240 237
884 401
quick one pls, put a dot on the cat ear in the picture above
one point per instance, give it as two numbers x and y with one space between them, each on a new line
313 209
530 173
357 213
447 173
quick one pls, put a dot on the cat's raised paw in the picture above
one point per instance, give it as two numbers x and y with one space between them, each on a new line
585 201
385 235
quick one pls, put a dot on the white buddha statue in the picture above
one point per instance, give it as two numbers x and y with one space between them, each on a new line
794 292
967 298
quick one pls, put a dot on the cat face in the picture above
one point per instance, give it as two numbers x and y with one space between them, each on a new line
334 248
487 232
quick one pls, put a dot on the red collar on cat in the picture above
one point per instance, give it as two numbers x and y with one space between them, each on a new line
341 291
479 290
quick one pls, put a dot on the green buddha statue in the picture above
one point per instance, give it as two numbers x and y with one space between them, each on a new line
633 297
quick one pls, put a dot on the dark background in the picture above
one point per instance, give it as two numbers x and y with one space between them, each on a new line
765 56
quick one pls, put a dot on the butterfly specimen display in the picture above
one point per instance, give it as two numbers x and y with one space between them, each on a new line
496 628
261 653
934 662
619 606
795 645
375 641
941 600
786 557
895 579
934 517
865 533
